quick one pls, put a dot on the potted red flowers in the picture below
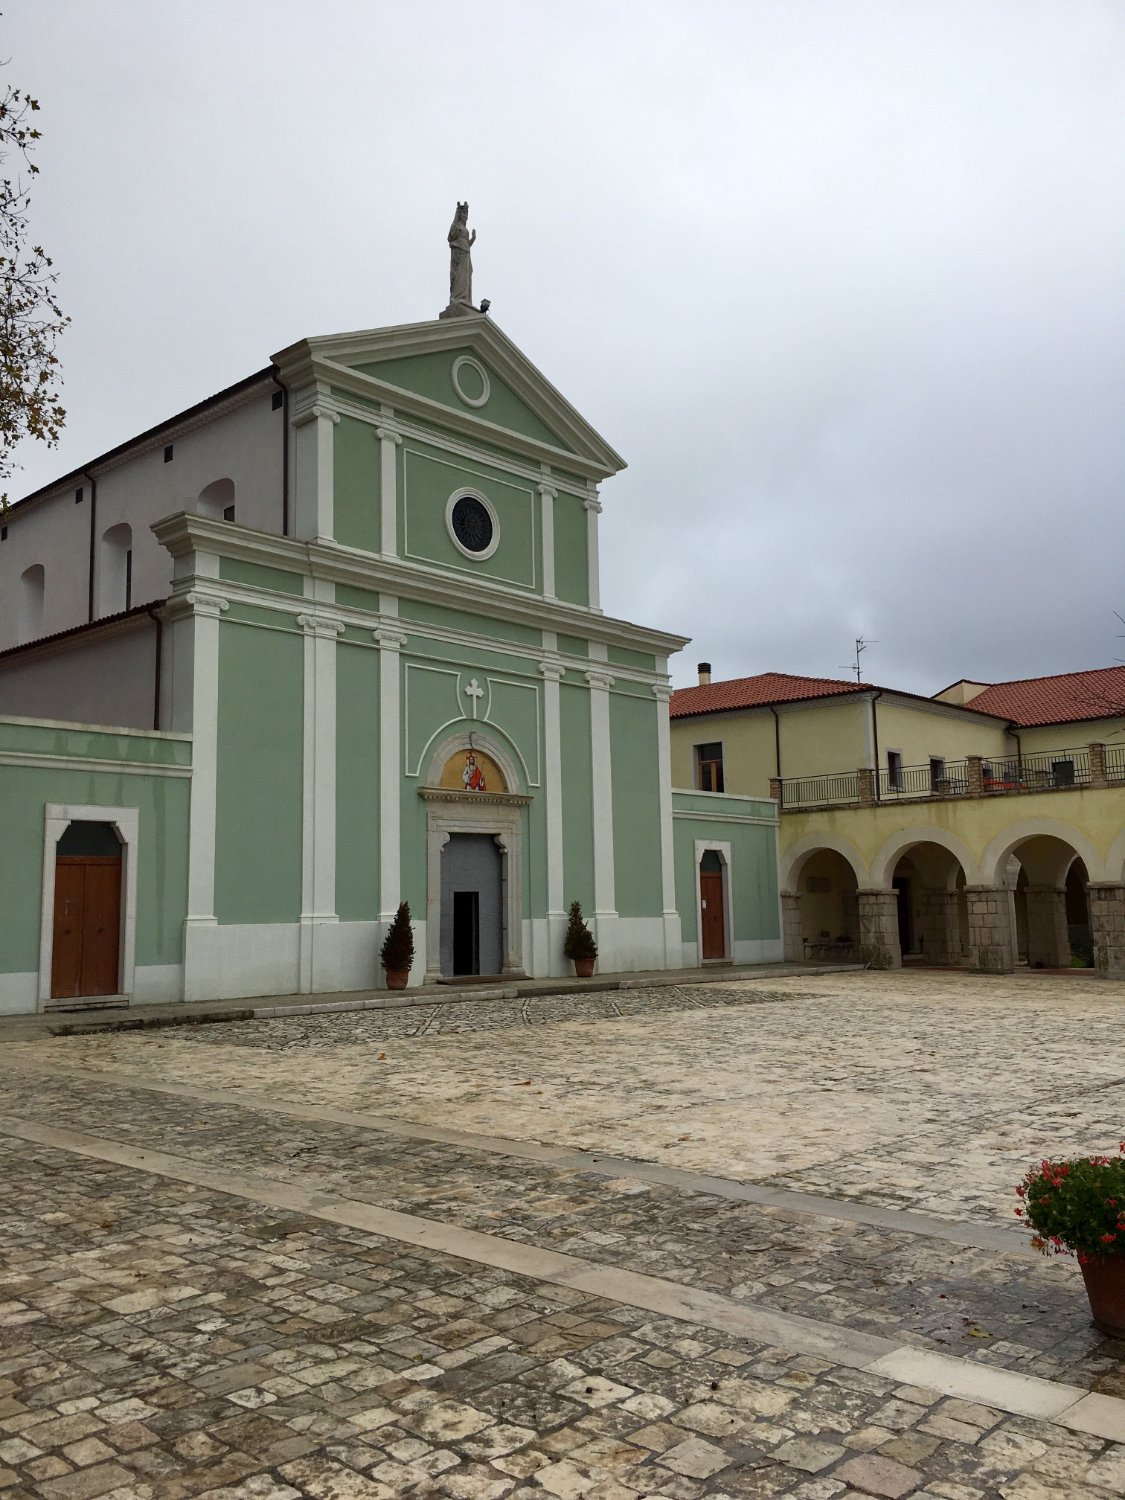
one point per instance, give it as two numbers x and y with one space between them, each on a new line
1078 1208
397 952
579 945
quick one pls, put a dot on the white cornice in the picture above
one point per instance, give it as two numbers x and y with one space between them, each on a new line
183 534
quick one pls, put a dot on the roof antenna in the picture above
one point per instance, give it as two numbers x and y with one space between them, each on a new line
860 647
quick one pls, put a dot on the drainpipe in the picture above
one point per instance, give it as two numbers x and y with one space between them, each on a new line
93 543
776 742
875 738
277 380
159 623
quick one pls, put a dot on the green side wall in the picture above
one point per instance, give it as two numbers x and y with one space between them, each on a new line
572 578
636 805
260 758
356 468
162 803
753 857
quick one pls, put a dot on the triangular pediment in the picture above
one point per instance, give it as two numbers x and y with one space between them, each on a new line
461 372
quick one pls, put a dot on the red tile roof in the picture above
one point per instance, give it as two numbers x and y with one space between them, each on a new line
1063 699
756 692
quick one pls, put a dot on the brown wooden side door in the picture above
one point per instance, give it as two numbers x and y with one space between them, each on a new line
85 958
712 921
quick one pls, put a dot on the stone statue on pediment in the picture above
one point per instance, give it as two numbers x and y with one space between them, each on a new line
461 243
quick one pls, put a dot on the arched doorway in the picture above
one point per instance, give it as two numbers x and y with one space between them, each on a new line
829 904
474 868
86 944
929 885
1050 885
713 926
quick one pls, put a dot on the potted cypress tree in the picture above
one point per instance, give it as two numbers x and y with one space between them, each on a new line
1077 1208
397 952
579 945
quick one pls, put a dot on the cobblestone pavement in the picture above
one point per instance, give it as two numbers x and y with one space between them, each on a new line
162 1339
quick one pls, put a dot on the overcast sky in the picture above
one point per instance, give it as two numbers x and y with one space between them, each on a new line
843 280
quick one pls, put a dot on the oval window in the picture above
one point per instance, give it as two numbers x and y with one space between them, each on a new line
472 525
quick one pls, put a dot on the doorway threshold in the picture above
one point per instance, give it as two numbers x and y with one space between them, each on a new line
461 980
88 1002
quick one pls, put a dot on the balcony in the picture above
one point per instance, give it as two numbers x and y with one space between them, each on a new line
1093 765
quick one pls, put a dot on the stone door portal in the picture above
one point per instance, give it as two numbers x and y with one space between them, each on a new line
472 905
86 953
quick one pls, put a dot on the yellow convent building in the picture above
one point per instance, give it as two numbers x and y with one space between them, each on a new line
983 826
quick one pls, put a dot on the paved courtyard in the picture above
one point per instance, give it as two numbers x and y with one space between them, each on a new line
741 1239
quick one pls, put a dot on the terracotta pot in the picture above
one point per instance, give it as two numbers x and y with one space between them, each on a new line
396 978
1104 1276
584 967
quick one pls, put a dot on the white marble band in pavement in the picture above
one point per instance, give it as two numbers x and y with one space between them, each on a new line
1004 1390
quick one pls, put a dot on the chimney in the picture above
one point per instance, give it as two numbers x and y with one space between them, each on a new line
704 674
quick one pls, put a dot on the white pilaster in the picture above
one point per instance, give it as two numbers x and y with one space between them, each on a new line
547 496
552 673
199 924
593 507
390 641
319 953
605 909
313 422
673 948
389 440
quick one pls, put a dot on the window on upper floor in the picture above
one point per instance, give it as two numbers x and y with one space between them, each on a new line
709 767
937 772
894 770
33 583
217 500
115 578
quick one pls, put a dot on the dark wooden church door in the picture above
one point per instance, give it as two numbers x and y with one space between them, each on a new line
86 955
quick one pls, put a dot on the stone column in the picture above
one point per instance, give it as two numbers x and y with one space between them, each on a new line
1048 942
389 441
791 935
593 507
201 963
319 962
670 915
552 673
313 422
548 494
938 927
776 791
605 908
878 929
1107 920
865 782
390 642
992 946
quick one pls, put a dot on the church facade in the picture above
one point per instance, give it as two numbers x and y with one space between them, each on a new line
370 665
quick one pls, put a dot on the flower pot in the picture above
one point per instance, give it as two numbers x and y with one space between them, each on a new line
584 967
1104 1276
396 978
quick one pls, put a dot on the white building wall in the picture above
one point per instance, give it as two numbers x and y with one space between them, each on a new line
108 680
243 445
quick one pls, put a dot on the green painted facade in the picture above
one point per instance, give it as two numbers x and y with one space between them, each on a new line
85 777
749 826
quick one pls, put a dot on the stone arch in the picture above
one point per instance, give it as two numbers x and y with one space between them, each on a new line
794 859
33 586
472 738
216 499
994 861
883 864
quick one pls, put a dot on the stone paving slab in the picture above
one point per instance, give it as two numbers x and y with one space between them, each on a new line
908 1089
1018 1312
163 1341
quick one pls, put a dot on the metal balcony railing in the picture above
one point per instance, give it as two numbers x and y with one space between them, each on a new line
948 778
1043 771
817 791
1115 762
